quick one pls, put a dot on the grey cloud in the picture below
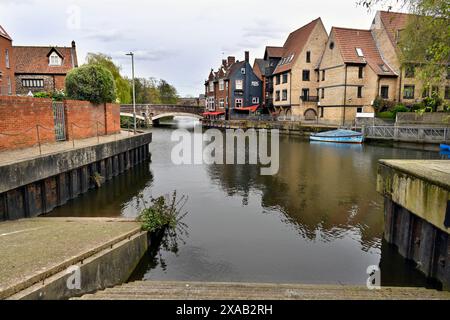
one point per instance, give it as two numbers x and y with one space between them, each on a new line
104 35
145 55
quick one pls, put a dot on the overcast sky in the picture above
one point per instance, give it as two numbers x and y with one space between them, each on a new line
175 40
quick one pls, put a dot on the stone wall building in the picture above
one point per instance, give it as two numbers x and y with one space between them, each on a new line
352 74
7 85
43 68
295 80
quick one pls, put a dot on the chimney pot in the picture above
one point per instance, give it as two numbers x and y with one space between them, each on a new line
247 56
231 60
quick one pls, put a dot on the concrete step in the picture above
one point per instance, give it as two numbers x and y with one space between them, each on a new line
170 290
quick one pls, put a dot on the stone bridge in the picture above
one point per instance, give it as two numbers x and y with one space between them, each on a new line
152 113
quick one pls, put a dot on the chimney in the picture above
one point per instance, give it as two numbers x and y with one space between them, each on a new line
224 63
247 56
74 55
231 60
73 44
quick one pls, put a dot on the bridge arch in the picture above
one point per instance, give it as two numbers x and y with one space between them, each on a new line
176 114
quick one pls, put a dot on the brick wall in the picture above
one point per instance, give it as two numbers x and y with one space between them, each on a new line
84 118
19 117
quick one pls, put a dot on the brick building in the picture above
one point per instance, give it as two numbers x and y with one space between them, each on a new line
233 87
292 88
352 75
43 68
7 84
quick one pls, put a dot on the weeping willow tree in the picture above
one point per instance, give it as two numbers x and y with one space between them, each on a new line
425 41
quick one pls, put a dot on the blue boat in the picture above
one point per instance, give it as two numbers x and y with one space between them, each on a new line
445 147
338 136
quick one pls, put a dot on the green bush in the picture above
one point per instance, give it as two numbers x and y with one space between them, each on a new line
42 94
92 83
399 108
382 105
386 115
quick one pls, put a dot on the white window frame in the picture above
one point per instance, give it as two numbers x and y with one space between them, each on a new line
239 84
221 85
238 101
359 52
242 70
221 103
255 100
7 58
211 86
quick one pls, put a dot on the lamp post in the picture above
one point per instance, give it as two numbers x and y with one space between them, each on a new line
134 91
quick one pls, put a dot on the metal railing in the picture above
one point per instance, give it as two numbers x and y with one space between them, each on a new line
412 134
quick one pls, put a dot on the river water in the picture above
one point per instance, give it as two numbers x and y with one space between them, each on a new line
319 220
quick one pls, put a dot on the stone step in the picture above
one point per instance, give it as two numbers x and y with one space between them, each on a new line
160 290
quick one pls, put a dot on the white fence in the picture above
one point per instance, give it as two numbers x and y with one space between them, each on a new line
408 134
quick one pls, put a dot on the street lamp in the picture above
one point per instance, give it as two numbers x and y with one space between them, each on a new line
134 90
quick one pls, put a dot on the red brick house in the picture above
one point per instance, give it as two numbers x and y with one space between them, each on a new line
43 68
7 85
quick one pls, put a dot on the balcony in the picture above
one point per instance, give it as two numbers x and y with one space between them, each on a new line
309 98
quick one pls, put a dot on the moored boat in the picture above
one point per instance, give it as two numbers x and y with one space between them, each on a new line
445 147
338 136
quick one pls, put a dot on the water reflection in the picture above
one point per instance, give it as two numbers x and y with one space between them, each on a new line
319 220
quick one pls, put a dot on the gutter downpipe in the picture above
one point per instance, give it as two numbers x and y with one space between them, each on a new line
345 94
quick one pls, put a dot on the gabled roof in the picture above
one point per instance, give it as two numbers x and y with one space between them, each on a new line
235 66
4 34
294 46
394 22
273 52
259 67
348 40
34 60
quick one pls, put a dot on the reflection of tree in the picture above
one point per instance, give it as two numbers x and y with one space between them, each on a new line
322 188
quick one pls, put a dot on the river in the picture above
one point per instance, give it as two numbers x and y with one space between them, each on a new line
319 220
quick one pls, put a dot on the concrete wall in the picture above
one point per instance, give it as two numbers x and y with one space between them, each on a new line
33 187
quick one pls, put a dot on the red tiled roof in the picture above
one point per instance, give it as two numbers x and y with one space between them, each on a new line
348 40
34 60
274 52
393 22
4 34
294 45
257 68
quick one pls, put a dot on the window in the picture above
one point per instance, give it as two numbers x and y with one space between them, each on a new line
360 92
321 112
360 72
9 86
305 94
359 52
238 103
7 58
255 84
425 92
221 103
277 95
221 85
242 70
255 100
323 75
308 57
410 71
306 75
284 96
447 93
55 60
285 78
211 86
33 83
323 94
408 92
384 92
359 110
277 79
239 85
331 45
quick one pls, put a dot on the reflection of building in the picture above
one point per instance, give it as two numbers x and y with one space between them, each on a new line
43 68
7 86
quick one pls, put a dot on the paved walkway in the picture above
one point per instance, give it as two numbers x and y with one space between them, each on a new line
168 290
8 157
31 250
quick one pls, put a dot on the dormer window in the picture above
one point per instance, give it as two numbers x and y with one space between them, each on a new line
54 59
